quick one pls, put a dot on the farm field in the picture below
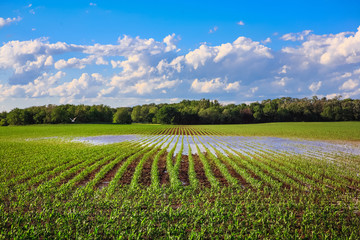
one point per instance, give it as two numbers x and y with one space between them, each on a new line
279 180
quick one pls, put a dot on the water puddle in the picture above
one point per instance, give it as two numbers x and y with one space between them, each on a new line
109 139
247 146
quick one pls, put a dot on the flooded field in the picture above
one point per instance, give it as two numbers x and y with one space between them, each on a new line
317 149
184 177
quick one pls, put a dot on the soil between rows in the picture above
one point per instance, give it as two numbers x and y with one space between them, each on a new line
217 174
199 170
236 175
109 175
92 175
128 175
163 174
184 169
145 177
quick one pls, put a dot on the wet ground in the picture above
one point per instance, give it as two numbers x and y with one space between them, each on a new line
246 145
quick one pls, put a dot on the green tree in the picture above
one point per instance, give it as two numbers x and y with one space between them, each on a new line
3 122
60 115
257 110
136 114
16 117
167 115
210 115
122 116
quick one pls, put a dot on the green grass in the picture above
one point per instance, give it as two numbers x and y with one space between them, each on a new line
307 130
75 130
49 188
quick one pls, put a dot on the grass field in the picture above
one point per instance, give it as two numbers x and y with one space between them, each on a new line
181 181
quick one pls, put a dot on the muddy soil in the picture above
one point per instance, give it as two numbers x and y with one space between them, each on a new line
200 173
145 177
163 174
184 169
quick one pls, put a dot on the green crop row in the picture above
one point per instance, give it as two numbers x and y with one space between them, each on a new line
55 189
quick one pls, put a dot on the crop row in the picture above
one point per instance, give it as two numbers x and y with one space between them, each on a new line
170 161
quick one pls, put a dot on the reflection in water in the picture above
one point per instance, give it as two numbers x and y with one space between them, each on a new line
245 145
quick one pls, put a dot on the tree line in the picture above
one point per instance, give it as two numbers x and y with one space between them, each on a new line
202 111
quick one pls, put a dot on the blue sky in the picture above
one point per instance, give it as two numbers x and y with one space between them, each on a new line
123 53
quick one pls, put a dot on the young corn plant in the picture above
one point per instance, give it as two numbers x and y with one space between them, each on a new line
155 183
139 167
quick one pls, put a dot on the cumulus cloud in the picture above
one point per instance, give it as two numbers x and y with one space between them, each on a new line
267 40
79 63
296 36
28 59
242 49
147 67
145 87
85 86
284 69
38 88
315 86
281 81
333 49
128 46
7 21
213 85
170 42
349 85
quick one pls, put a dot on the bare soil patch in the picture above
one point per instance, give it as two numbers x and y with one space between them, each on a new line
128 175
200 173
184 169
217 172
109 176
92 175
145 177
163 174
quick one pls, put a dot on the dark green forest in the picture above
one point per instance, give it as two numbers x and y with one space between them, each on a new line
202 111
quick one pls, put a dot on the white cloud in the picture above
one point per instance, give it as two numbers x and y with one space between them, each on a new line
85 86
28 59
281 82
296 36
38 88
315 86
199 56
170 43
332 95
267 40
254 89
339 49
93 4
214 29
241 23
242 49
7 21
284 69
136 66
129 46
357 71
349 85
146 87
79 63
213 85
232 86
